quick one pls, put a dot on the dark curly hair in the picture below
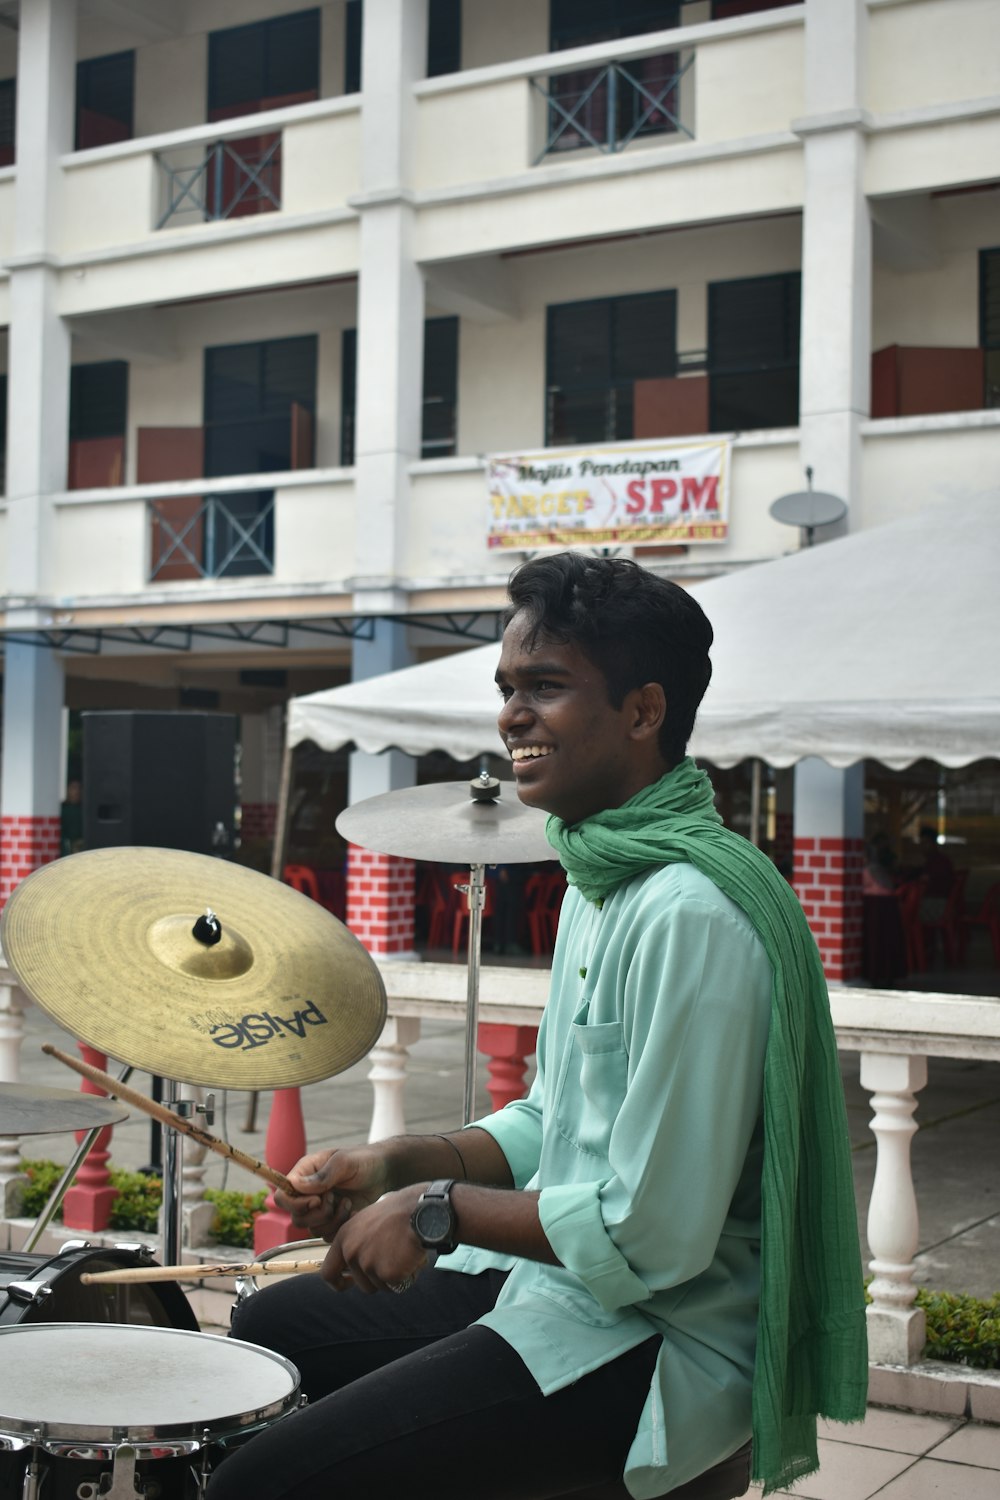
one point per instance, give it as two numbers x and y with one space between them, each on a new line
635 628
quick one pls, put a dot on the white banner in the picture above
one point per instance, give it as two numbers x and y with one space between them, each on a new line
656 492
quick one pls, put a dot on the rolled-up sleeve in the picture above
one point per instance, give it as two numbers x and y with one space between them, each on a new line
694 989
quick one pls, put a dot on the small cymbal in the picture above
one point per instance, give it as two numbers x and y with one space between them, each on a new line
27 1110
272 992
444 823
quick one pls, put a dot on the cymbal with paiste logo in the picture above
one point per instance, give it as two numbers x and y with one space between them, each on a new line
193 968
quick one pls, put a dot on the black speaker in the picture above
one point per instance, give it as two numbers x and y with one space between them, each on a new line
163 780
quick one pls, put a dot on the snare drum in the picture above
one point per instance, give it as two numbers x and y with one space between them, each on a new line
296 1250
46 1289
100 1409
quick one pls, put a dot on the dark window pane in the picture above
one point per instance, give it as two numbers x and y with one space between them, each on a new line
444 37
991 397
439 424
105 98
644 338
8 120
989 299
249 393
352 47
249 67
768 398
753 323
575 23
348 393
98 399
596 352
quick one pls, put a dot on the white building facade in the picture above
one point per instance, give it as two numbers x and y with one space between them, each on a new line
277 279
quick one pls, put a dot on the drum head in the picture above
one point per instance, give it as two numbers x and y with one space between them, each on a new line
111 1383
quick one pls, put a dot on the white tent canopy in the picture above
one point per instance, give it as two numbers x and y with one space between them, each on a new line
882 645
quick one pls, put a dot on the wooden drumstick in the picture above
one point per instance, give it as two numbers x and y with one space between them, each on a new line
176 1122
197 1272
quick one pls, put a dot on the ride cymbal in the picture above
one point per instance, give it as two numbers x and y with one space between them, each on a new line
193 968
479 822
28 1110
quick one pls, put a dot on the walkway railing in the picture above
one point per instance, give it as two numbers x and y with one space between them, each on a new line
232 178
607 108
214 536
894 1031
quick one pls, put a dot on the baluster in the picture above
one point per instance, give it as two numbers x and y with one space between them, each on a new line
87 1204
507 1049
284 1146
12 1179
387 1076
896 1328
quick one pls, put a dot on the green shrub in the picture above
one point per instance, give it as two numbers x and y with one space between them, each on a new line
965 1330
234 1216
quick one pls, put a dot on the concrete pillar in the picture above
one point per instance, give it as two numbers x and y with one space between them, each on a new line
829 856
835 370
387 424
37 441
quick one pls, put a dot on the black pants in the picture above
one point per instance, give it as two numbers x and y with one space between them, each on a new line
406 1398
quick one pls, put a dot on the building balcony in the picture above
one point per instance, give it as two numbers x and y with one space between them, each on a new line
254 202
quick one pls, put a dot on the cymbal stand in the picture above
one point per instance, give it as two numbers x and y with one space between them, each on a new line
172 1225
476 893
59 1191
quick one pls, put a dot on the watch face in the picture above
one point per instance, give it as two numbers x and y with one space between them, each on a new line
433 1220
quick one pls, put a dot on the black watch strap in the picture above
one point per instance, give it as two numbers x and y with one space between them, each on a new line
444 1236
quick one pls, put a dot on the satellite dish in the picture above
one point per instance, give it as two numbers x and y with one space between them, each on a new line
808 509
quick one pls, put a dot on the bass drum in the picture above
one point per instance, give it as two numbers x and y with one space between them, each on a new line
46 1289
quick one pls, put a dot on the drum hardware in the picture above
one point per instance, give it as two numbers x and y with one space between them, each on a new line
464 823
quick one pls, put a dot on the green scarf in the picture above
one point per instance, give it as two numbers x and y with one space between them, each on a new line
812 1357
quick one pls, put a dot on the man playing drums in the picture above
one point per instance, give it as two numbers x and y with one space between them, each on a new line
652 1256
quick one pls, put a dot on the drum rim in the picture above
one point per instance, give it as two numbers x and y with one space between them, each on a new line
101 1439
247 1285
49 1267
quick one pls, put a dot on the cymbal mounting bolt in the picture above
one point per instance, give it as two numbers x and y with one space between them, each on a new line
208 928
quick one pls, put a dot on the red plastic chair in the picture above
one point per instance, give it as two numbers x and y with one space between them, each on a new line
988 916
302 878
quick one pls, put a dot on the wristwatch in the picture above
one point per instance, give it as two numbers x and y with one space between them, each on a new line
433 1221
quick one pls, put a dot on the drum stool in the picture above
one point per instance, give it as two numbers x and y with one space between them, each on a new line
723 1481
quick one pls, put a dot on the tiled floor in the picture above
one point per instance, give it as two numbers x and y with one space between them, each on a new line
899 1456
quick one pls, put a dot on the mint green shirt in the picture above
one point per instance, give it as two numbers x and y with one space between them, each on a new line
643 1132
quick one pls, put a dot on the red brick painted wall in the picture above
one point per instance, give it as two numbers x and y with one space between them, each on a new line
25 843
827 881
258 820
380 900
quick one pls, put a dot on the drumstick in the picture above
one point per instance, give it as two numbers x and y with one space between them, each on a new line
176 1122
197 1272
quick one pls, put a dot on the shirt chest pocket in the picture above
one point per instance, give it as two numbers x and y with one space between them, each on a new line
592 1085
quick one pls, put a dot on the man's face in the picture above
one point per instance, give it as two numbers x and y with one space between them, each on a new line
572 753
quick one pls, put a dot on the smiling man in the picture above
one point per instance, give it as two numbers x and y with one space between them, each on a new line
654 1255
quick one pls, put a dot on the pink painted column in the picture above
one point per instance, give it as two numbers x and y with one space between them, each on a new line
87 1204
284 1146
508 1049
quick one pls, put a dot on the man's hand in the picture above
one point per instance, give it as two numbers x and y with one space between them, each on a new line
375 1249
334 1184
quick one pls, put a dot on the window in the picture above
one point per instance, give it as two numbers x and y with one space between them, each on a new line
353 21
444 37
3 434
98 400
439 429
753 352
8 120
263 66
595 352
989 323
258 399
105 98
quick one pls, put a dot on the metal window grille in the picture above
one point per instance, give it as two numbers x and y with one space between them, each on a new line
230 179
608 108
218 536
